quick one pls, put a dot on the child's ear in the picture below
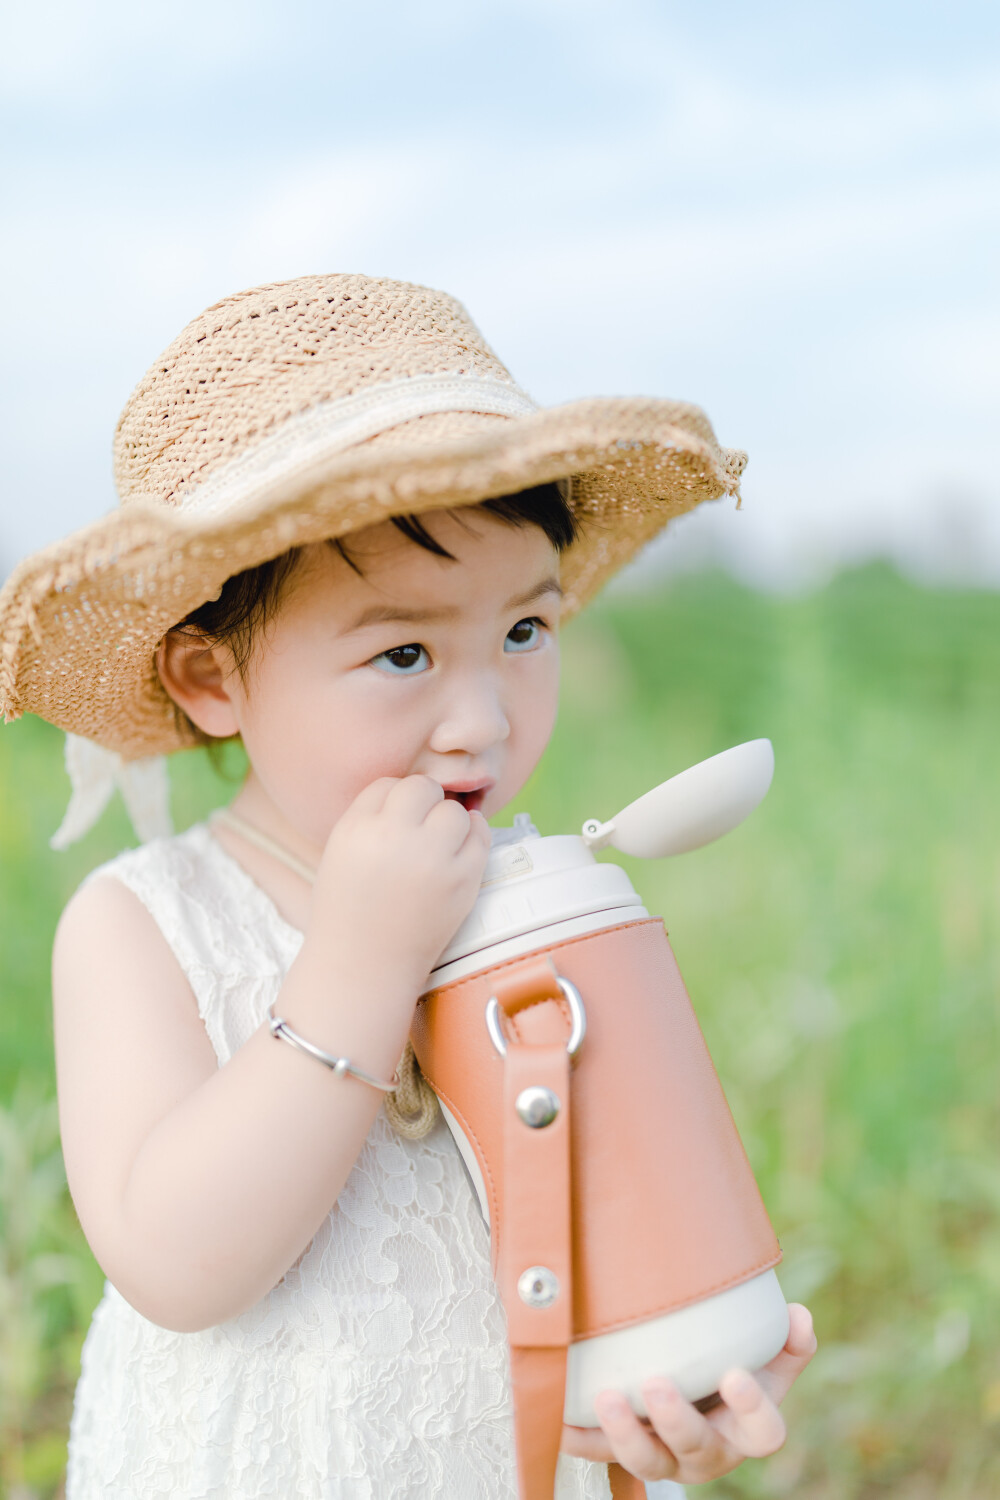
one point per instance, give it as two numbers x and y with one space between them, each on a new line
197 675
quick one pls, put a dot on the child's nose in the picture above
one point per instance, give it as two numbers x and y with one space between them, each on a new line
473 720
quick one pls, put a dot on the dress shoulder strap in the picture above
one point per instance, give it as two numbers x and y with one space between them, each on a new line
227 936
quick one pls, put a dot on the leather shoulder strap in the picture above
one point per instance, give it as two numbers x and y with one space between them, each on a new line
536 1269
625 1486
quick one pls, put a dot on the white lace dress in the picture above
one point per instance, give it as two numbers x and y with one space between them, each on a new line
377 1368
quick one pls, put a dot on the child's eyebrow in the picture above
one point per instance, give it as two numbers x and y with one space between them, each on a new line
384 614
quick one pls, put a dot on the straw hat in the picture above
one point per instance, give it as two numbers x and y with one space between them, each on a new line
300 411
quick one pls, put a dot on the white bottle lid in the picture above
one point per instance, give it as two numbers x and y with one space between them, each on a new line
533 883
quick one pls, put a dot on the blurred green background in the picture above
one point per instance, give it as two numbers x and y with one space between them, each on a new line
843 953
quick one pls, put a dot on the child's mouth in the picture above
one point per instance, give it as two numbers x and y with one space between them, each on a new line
472 801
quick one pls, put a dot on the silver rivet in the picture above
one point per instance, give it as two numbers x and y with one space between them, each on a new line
538 1286
537 1106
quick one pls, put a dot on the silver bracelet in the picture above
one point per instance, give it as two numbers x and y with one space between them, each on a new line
337 1065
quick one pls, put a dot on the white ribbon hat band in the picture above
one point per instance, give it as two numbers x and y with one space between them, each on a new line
328 428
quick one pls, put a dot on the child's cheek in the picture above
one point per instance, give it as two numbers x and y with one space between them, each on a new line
531 733
361 749
546 698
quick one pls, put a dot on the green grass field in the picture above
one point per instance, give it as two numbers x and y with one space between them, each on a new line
842 950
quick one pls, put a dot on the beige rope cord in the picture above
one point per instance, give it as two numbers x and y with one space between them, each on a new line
299 412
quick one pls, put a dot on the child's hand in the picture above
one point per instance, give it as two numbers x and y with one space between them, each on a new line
679 1442
400 872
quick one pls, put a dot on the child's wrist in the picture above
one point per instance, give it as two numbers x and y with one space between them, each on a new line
346 1020
373 960
331 974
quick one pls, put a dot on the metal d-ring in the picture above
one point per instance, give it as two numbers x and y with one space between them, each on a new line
578 1019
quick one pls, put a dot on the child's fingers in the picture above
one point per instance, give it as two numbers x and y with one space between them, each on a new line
480 834
800 1346
371 799
684 1443
449 822
696 1445
634 1446
475 849
587 1442
413 797
750 1421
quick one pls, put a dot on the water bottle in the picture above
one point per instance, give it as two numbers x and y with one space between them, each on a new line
538 891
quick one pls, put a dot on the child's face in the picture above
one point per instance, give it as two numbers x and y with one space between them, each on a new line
420 665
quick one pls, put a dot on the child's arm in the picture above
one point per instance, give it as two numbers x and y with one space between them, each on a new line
683 1444
198 1186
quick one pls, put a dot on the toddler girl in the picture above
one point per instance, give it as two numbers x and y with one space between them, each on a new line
340 540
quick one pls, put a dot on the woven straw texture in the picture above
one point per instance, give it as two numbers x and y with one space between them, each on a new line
284 415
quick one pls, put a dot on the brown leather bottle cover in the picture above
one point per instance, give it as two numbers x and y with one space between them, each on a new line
653 1147
625 1486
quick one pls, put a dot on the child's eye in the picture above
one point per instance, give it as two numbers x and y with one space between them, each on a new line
524 635
408 661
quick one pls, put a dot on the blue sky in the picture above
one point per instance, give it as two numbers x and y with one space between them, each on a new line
789 214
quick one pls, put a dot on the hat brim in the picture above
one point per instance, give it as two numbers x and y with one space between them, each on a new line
80 620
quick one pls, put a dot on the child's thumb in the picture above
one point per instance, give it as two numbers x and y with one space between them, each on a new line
479 827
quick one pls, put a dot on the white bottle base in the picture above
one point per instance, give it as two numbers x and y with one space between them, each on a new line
745 1325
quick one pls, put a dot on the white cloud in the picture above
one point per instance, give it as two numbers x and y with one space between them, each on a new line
64 53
